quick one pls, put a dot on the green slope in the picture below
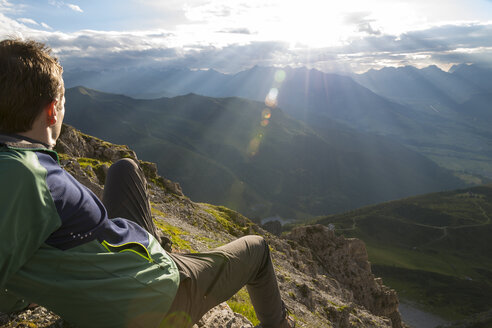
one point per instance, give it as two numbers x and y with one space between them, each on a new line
434 249
230 151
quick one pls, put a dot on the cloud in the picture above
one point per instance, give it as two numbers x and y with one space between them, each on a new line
12 28
208 11
60 4
94 50
7 7
441 38
236 31
234 58
363 24
480 56
156 48
440 45
46 26
74 7
27 21
366 27
106 51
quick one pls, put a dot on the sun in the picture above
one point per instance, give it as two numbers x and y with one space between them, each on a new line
310 23
302 24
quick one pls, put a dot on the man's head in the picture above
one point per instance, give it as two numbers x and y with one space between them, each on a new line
30 83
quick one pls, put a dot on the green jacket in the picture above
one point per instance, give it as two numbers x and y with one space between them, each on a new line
59 249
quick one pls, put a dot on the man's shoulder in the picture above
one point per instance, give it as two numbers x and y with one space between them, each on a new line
18 164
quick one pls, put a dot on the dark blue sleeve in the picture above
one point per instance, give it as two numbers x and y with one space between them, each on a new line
83 215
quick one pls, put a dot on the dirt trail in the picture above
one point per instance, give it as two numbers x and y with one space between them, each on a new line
444 229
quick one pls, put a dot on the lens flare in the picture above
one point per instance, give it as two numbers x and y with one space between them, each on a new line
254 145
264 123
273 93
266 114
271 98
280 76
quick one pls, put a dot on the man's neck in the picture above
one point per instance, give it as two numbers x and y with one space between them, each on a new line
42 137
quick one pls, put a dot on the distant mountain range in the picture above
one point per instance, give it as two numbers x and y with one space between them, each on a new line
433 249
255 159
442 115
461 94
430 86
458 106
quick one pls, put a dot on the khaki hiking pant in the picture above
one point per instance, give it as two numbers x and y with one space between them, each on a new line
206 279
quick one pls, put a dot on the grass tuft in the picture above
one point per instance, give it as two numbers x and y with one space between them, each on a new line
241 303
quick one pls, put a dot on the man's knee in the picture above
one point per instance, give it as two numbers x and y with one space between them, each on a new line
257 244
255 239
124 165
123 174
125 169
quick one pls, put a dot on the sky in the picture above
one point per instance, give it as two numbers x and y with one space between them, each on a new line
233 35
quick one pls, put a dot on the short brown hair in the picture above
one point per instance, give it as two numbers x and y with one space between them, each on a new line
30 78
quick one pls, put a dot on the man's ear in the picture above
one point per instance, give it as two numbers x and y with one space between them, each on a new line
50 111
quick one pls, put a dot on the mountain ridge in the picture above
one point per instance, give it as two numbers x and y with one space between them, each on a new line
419 108
276 164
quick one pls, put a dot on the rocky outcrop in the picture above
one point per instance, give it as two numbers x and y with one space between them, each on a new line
222 316
347 262
35 317
274 227
325 280
74 146
77 144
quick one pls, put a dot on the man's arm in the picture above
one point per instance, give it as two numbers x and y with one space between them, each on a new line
27 212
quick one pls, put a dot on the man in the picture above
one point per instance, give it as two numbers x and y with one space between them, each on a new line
58 247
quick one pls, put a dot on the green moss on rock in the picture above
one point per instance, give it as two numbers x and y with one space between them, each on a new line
173 232
233 222
241 303
96 165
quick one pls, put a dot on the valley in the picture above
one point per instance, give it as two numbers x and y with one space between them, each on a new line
433 249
